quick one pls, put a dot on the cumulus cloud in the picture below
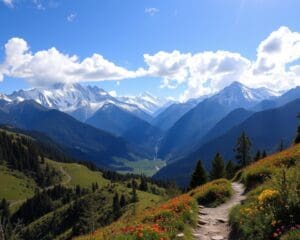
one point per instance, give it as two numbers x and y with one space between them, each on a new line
151 11
51 66
172 67
276 66
208 72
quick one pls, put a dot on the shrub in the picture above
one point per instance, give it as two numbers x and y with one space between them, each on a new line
213 193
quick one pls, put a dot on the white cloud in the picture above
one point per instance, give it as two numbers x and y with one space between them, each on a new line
276 66
208 72
172 67
51 66
71 17
151 11
9 3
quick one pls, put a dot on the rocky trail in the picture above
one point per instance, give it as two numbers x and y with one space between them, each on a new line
213 222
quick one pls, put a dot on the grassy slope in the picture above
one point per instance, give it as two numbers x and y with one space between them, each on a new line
162 218
80 175
273 198
14 185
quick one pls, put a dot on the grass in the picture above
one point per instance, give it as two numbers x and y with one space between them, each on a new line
145 166
79 174
258 172
213 193
131 215
272 205
14 185
161 218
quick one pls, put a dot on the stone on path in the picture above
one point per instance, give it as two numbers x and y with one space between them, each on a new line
218 237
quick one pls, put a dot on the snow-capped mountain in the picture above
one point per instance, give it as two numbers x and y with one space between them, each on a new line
77 100
146 102
239 95
5 98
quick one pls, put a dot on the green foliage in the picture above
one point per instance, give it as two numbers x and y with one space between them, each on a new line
272 208
116 206
213 193
230 169
199 176
293 234
218 168
243 150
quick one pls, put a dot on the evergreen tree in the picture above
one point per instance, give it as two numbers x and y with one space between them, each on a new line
297 139
199 176
264 154
243 150
143 185
122 201
134 197
230 169
218 168
257 156
281 146
116 206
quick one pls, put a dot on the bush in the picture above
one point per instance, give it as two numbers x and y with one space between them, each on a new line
213 193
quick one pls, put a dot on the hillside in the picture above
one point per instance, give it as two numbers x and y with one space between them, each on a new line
77 139
272 206
59 197
266 129
252 219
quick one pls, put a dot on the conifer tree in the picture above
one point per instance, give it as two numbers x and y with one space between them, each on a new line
199 176
116 206
230 169
297 139
218 168
281 146
134 197
122 201
143 185
243 150
264 154
257 156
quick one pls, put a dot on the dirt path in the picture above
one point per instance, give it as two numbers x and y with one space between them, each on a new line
69 178
213 222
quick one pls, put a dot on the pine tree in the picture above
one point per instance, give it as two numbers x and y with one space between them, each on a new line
199 176
116 206
297 139
134 197
243 149
122 201
143 185
230 169
218 168
264 154
257 156
281 146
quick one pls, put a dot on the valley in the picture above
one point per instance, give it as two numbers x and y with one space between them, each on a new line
149 120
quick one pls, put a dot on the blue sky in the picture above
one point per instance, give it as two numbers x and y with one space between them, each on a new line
123 31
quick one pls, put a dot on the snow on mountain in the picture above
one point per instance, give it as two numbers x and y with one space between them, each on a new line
77 100
237 94
5 98
146 102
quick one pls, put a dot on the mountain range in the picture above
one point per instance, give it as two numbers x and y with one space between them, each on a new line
91 124
195 124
